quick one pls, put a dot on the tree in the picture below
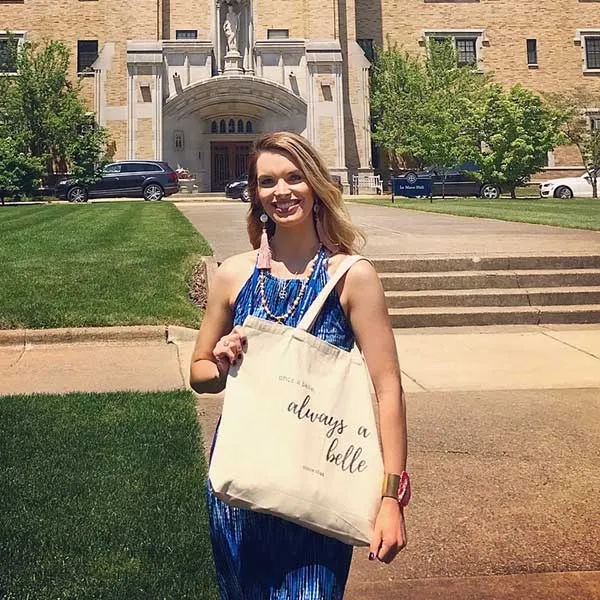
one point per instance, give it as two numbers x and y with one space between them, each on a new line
19 173
426 111
582 130
518 129
43 112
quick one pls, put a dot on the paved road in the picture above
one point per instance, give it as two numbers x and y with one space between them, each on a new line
398 232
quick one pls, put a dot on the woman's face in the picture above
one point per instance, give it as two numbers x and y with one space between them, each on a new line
282 190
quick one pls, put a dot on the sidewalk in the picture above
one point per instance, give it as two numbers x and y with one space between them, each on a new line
432 360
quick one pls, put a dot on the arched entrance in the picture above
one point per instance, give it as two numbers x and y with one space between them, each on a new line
210 126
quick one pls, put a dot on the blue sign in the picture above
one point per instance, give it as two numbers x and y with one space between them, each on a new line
411 186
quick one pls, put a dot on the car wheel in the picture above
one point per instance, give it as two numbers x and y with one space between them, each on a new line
490 191
245 195
153 192
77 194
563 191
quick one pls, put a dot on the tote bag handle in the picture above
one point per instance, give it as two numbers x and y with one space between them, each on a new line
312 313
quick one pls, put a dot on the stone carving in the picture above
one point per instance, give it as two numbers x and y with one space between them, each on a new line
230 27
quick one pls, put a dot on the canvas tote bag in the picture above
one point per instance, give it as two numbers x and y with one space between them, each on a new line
298 437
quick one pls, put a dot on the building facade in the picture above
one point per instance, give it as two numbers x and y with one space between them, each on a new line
193 82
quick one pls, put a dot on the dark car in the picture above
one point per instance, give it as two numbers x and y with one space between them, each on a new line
148 179
238 188
459 182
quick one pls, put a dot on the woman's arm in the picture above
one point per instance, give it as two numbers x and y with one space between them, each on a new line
208 373
368 314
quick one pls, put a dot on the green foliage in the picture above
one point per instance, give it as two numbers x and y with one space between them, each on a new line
425 110
432 112
517 130
19 173
580 106
41 109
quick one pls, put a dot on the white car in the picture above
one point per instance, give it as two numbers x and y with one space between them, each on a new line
567 187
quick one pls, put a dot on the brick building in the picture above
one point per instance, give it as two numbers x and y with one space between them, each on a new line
194 81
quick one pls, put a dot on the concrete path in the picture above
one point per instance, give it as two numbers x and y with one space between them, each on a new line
398 232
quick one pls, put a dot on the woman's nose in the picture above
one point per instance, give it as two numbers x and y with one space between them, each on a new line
282 188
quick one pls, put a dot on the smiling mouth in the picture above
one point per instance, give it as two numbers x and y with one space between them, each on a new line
286 205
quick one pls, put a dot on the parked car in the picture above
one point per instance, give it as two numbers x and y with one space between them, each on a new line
567 187
459 182
148 179
238 188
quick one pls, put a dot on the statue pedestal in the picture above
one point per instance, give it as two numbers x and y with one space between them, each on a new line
233 62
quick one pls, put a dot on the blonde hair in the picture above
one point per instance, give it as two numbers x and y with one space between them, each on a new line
334 223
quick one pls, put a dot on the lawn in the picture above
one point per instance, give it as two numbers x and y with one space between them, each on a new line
103 498
118 263
579 213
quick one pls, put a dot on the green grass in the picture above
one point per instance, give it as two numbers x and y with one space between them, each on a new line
103 498
578 213
124 263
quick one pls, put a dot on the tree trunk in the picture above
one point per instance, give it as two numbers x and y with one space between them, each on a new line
594 187
513 192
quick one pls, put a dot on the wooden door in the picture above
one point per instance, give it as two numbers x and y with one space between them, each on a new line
229 160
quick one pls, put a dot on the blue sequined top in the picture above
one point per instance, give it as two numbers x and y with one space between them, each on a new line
331 325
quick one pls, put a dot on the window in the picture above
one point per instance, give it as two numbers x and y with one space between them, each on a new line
368 48
248 126
231 126
594 120
468 43
278 34
179 140
115 168
87 53
532 59
466 52
186 34
213 127
592 52
240 126
8 55
222 126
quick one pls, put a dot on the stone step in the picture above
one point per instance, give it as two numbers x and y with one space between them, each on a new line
495 297
467 316
483 263
467 280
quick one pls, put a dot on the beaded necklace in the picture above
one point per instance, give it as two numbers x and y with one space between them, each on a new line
296 302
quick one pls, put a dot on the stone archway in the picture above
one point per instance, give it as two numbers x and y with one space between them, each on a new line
189 136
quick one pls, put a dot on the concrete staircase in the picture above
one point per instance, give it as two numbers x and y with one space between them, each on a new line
459 291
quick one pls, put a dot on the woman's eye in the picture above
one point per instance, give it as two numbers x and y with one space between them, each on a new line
266 182
295 177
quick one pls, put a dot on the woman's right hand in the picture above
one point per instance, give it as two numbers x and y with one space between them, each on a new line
230 349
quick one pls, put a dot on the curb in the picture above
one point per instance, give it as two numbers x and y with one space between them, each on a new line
138 333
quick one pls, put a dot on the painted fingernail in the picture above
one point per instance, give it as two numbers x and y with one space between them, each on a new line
234 363
239 356
371 556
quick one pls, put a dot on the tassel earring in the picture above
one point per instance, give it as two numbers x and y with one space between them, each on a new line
264 252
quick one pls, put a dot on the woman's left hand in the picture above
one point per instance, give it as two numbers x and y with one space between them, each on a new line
389 536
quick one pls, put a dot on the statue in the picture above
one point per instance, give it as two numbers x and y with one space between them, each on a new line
230 27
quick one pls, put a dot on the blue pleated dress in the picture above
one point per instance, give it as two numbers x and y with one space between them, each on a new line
259 556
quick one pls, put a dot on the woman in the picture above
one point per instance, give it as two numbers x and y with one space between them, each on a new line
305 223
